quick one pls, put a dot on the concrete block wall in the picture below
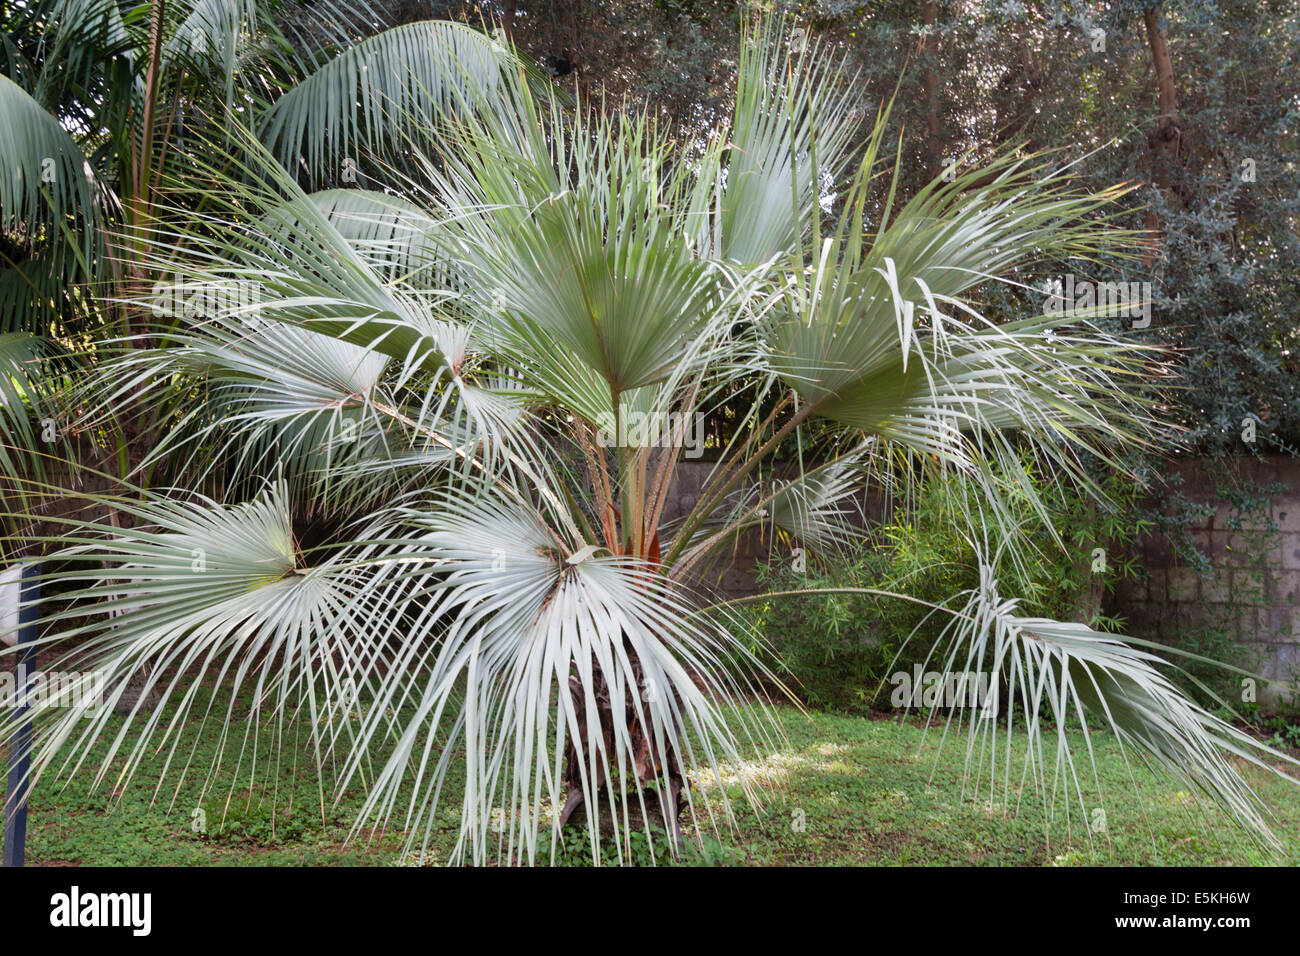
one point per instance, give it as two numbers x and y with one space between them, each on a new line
1252 594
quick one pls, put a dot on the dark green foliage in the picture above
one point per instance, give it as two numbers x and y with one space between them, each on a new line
834 650
257 820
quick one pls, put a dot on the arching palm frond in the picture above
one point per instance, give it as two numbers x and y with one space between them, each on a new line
198 587
212 38
48 210
32 428
394 235
382 92
73 56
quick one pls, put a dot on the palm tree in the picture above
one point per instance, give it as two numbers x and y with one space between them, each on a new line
418 442
108 101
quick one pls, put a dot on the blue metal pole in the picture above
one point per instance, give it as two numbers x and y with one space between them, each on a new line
20 747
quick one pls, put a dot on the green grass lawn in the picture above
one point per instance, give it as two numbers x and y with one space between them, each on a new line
839 790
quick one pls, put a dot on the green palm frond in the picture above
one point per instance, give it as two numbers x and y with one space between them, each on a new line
48 204
788 146
393 235
213 38
31 429
884 333
305 261
379 93
69 53
272 318
596 208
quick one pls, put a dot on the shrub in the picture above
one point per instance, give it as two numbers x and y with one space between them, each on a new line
837 651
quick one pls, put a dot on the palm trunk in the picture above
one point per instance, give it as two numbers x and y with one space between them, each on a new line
648 765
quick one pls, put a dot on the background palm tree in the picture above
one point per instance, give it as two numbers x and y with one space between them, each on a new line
110 101
401 437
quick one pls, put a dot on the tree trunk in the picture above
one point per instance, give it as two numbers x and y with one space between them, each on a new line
1166 136
134 690
930 85
647 766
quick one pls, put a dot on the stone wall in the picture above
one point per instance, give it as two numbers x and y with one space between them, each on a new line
733 574
1249 593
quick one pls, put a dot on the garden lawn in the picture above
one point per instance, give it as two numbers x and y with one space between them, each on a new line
839 790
